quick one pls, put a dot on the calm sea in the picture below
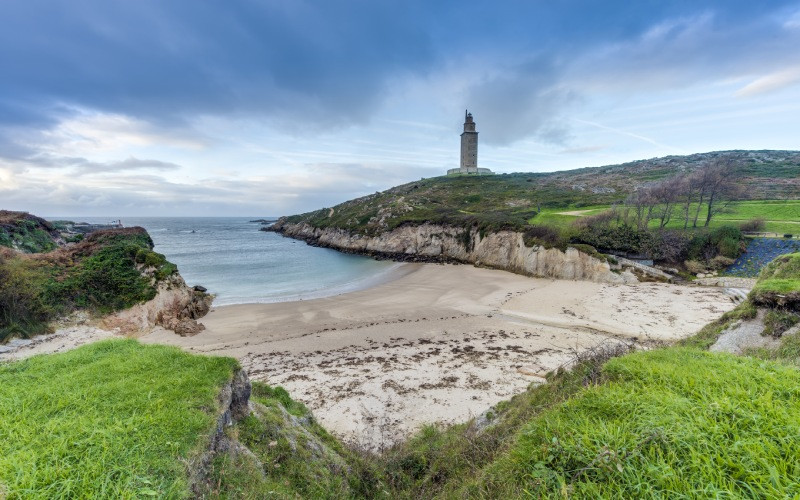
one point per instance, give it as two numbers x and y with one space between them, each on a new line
241 264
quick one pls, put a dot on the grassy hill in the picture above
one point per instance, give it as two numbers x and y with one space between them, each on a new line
516 200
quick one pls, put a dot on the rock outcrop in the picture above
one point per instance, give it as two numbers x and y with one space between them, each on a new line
175 307
437 243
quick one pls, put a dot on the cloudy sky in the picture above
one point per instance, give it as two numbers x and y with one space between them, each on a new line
268 107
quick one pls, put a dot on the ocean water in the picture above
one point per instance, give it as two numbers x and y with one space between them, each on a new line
240 264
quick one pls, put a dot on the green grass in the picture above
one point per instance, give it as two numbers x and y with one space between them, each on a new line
554 216
779 283
668 423
788 352
114 419
781 216
296 457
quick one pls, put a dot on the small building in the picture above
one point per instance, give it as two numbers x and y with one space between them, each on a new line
469 150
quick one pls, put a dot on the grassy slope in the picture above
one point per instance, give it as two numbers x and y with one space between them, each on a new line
112 419
514 199
671 422
779 283
297 457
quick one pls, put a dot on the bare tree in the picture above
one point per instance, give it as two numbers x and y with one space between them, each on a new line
643 203
667 194
689 194
700 181
722 187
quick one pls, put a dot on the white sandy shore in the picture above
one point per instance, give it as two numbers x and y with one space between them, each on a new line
441 343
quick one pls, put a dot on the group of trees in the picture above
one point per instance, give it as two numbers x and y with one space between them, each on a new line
711 187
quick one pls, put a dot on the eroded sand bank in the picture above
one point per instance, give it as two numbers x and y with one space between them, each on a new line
441 343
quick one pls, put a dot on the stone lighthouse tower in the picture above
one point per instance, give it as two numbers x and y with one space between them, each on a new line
469 144
469 150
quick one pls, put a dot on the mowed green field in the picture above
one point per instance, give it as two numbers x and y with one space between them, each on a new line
781 216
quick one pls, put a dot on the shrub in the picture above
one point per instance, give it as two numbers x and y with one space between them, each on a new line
721 262
694 266
724 240
154 259
728 240
755 225
624 238
23 313
669 246
604 218
541 235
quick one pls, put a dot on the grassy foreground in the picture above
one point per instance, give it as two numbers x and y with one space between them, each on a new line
118 419
114 419
672 422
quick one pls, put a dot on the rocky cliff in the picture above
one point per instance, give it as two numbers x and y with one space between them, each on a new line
439 243
175 307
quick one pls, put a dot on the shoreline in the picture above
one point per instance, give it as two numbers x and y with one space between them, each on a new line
395 271
454 339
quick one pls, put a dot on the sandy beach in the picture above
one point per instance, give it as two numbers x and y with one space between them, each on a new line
439 343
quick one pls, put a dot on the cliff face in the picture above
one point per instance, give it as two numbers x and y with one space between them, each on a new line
437 243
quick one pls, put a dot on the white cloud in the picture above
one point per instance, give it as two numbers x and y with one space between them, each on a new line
88 132
771 82
793 22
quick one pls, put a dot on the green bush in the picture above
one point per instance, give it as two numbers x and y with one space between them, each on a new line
727 241
5 238
545 236
105 281
622 238
23 312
